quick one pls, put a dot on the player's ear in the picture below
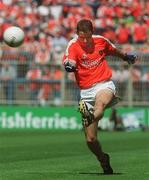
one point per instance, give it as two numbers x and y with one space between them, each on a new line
93 29
77 32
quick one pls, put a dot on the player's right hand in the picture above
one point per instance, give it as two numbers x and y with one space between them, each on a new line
69 66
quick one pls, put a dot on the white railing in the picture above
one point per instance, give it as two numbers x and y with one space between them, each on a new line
63 90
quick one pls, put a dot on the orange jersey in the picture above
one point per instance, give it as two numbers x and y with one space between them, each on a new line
91 64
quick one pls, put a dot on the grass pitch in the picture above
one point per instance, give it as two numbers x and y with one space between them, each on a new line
46 155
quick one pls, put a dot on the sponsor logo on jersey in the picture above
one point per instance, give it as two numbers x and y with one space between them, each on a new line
91 63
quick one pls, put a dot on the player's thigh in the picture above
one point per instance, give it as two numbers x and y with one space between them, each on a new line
91 131
104 96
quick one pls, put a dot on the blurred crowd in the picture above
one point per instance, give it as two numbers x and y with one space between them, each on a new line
50 24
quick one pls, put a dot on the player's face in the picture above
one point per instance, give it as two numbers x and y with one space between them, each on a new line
85 38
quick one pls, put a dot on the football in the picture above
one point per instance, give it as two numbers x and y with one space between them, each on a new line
13 36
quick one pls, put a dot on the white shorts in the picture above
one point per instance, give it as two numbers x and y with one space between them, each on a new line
88 95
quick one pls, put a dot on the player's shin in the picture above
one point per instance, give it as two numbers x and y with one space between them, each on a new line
96 149
102 157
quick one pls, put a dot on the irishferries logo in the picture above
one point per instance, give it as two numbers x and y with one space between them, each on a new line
29 120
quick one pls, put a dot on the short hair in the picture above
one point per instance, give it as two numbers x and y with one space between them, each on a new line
84 25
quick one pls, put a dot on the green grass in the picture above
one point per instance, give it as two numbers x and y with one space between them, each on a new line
46 155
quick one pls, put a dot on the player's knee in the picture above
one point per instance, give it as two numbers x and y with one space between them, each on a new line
99 116
98 113
91 138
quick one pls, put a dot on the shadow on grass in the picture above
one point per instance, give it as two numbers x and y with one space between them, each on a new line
99 174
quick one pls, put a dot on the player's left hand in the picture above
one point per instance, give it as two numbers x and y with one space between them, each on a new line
130 58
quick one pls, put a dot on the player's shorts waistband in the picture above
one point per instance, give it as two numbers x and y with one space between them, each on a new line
101 82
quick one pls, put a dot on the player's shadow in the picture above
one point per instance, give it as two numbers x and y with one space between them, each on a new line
98 174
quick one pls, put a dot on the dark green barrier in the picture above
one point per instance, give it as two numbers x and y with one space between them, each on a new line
24 117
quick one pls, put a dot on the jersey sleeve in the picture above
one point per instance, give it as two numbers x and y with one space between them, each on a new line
70 54
110 47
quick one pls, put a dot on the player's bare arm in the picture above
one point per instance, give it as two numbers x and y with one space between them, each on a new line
129 58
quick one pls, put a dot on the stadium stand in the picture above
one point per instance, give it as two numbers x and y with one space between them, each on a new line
49 25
